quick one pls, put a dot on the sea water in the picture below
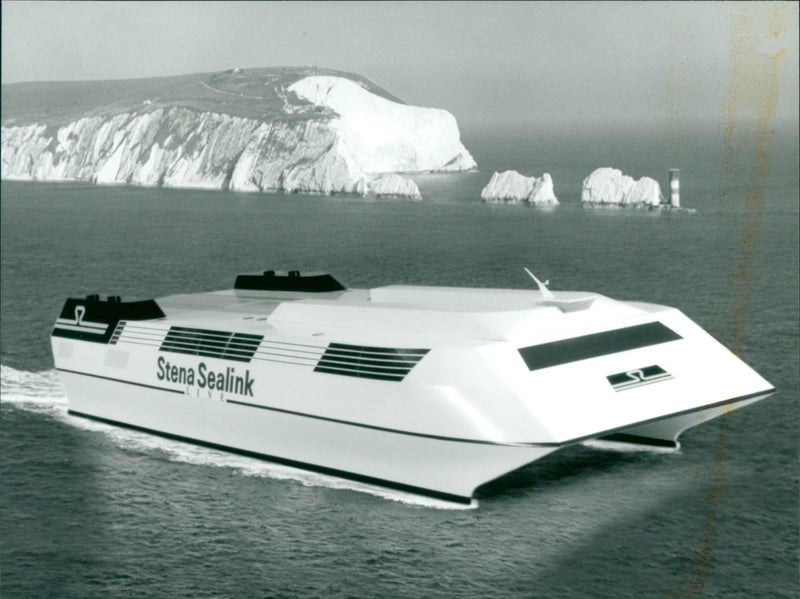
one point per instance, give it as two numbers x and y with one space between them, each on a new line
88 509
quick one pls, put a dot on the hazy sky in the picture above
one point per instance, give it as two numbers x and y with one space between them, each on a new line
550 63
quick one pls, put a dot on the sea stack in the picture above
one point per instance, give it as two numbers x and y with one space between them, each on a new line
609 187
510 187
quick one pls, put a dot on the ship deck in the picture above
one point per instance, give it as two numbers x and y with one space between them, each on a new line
250 309
402 310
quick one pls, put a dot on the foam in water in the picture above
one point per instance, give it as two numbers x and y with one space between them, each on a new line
42 392
601 445
35 391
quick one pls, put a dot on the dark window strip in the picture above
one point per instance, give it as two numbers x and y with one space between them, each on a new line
117 333
267 348
360 374
371 357
202 351
198 336
196 346
367 362
248 336
239 347
80 335
585 347
221 356
213 333
213 347
208 353
377 350
205 348
212 338
345 368
210 344
359 368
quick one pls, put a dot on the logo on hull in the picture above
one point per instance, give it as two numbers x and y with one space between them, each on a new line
229 381
638 377
79 324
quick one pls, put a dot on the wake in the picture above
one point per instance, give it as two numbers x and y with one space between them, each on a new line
35 391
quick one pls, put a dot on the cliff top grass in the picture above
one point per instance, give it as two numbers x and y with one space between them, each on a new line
259 93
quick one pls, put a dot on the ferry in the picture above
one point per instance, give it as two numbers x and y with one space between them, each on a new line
430 390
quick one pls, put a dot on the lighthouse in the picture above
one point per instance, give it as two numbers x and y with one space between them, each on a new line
674 188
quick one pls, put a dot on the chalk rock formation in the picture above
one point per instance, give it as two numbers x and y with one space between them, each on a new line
338 137
394 185
384 136
609 186
513 188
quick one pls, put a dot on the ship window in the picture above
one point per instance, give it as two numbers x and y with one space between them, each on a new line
586 347
213 344
382 363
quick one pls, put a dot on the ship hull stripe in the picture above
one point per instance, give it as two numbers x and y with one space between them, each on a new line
596 435
109 378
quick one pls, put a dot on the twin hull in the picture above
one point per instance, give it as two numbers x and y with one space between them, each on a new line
428 390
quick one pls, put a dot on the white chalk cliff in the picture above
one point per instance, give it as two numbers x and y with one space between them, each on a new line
332 136
609 186
512 188
383 136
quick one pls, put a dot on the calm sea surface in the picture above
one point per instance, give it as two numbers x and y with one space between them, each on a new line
88 510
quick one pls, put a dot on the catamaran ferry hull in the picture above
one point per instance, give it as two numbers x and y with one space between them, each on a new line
443 468
429 390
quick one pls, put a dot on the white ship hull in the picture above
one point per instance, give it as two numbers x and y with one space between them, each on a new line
433 391
437 467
